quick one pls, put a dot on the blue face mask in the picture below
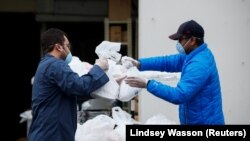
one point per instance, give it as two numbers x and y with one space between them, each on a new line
180 48
68 58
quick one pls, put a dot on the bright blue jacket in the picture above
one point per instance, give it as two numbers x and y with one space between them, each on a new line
198 92
54 93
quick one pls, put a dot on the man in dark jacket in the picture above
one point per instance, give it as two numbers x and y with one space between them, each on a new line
56 87
198 92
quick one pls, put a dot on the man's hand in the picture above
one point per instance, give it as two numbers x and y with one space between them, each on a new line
136 82
133 61
102 63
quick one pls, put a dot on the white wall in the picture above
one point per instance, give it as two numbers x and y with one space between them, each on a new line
227 33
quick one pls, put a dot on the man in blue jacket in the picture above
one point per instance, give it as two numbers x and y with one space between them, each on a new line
198 92
56 87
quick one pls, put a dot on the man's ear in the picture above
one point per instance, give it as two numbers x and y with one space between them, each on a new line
58 47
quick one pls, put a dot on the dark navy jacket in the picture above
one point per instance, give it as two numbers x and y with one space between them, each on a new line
54 93
198 92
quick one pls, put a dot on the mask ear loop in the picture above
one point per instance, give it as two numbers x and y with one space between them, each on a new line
186 43
197 38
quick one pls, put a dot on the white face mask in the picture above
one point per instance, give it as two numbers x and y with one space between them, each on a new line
68 58
180 48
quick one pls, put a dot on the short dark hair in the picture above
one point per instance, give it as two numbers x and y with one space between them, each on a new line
50 37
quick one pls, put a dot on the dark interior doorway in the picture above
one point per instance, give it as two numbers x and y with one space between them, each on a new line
20 55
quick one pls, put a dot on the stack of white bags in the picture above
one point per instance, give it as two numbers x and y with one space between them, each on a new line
105 128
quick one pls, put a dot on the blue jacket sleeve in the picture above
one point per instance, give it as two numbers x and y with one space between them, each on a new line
193 79
71 84
171 63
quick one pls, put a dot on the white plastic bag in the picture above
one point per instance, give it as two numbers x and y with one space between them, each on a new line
115 69
26 117
126 62
159 119
79 67
109 91
127 92
122 119
109 50
100 128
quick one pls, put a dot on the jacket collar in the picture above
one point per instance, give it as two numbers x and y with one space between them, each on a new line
196 51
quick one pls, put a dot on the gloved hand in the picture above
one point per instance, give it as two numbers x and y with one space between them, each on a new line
133 61
102 63
136 82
